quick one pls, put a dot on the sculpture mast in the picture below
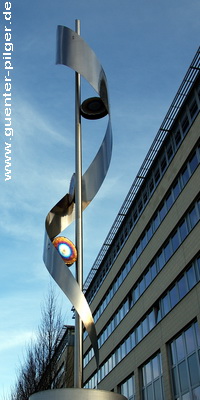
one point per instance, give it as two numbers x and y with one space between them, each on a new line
78 347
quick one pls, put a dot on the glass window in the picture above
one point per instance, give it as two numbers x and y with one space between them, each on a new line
175 241
169 200
175 381
197 333
158 390
198 202
148 372
198 267
173 353
163 163
174 297
153 270
138 249
156 367
110 364
198 92
117 319
131 388
145 328
176 189
151 185
183 230
157 175
136 293
177 137
165 304
156 222
128 266
182 286
185 124
193 217
119 355
149 391
149 232
189 339
193 108
128 344
124 273
193 163
140 206
196 393
185 176
191 277
148 278
139 333
126 307
183 376
145 197
152 379
119 279
135 215
151 320
133 258
144 241
169 152
106 368
142 286
114 359
157 312
123 349
133 340
160 261
167 251
162 211
185 367
180 348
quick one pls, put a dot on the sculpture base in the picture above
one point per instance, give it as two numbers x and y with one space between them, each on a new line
76 394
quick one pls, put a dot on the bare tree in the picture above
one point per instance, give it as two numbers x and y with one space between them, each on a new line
48 338
36 371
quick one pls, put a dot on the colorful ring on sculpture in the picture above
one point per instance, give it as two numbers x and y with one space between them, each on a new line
66 249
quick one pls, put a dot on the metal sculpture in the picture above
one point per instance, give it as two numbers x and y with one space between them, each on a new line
73 52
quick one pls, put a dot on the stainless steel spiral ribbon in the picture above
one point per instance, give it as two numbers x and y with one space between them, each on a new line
74 52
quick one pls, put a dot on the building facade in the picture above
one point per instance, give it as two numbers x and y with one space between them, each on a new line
62 375
144 287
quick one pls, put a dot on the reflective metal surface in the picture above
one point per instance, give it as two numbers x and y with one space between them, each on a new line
73 52
76 394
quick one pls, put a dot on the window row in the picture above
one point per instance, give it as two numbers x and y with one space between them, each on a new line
174 141
152 379
127 388
178 236
159 310
58 377
158 217
185 364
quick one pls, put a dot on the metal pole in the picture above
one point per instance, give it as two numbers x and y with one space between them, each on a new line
78 348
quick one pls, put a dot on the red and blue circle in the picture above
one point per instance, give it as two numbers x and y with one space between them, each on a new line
66 249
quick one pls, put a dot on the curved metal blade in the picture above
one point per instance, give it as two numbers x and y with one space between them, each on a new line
73 52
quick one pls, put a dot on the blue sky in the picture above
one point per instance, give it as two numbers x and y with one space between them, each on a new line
145 48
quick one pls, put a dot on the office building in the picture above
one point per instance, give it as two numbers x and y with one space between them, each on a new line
62 363
143 288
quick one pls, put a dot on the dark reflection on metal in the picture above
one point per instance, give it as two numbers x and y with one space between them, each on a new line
93 108
73 52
